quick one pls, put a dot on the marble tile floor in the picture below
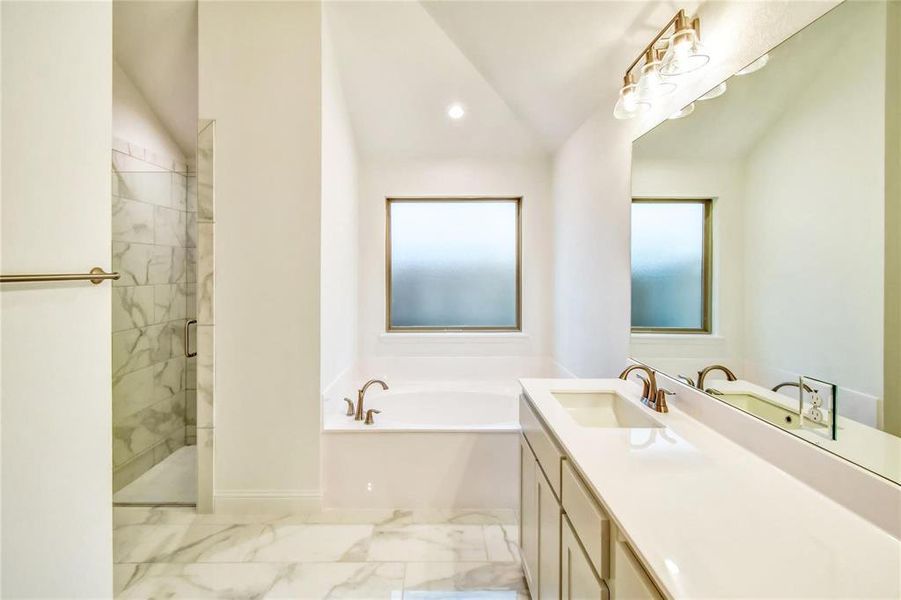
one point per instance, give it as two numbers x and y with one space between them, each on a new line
172 481
424 555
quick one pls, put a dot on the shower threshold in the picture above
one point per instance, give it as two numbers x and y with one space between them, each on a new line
172 482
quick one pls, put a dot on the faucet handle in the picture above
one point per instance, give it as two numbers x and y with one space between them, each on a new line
350 407
660 400
645 386
369 419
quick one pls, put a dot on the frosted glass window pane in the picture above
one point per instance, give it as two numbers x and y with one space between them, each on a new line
668 265
453 264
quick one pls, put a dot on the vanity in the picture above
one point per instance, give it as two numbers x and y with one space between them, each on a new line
619 501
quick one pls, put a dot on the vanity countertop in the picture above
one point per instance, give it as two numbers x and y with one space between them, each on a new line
710 519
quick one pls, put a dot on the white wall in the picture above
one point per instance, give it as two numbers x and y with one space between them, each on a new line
816 194
592 175
591 249
529 178
56 431
340 244
724 182
134 121
260 80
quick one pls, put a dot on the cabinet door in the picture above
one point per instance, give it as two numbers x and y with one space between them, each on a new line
578 580
548 540
528 515
629 579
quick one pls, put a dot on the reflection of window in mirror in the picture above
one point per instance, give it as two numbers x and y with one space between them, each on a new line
671 241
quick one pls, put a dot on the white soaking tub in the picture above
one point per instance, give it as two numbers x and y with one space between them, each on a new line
436 444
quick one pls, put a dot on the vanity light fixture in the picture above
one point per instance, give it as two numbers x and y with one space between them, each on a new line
755 66
674 51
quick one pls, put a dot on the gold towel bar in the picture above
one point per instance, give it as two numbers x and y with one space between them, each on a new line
96 276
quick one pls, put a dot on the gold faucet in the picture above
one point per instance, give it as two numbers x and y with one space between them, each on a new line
358 414
730 376
650 395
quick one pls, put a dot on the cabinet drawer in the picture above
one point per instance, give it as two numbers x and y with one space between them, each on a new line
546 451
630 582
589 521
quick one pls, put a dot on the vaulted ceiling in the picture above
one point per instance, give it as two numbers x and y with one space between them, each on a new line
155 42
528 73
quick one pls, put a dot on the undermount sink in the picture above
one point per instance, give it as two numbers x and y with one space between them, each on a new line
603 409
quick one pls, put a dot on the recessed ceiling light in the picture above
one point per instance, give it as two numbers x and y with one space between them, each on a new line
456 111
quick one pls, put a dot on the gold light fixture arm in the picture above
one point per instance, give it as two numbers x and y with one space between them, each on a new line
679 21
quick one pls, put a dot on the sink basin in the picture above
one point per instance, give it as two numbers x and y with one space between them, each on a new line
603 409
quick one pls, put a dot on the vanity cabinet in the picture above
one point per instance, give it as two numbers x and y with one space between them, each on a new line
570 548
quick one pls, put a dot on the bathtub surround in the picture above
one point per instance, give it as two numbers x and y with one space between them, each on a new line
456 414
153 226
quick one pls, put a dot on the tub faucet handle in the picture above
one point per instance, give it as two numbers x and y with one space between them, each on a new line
350 407
369 419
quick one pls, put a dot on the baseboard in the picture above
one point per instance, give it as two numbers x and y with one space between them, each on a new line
265 502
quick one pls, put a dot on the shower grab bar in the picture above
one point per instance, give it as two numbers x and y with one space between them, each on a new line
95 276
188 324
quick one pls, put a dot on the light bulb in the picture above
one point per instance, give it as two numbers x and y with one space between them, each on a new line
683 113
628 105
685 53
755 66
651 85
714 93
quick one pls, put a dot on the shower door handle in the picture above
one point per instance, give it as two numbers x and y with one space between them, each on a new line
188 324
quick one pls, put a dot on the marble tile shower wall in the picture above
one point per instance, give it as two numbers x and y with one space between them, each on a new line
154 221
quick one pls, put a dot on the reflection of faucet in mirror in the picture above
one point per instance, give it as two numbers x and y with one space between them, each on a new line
688 380
358 415
807 388
730 376
649 385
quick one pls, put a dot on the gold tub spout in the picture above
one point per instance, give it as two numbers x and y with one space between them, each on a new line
358 414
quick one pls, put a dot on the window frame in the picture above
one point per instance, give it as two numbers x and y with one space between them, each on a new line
389 327
706 268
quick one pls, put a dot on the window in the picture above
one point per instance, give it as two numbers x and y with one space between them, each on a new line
453 264
671 265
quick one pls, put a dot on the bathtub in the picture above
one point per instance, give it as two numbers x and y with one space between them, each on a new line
435 445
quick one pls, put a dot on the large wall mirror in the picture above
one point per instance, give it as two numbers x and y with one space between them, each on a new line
766 246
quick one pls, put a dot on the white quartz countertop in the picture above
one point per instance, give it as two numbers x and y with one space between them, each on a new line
710 519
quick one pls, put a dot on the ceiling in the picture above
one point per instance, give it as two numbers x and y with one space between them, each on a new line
155 42
529 73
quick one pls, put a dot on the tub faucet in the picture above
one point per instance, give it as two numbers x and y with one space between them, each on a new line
649 392
358 414
730 376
